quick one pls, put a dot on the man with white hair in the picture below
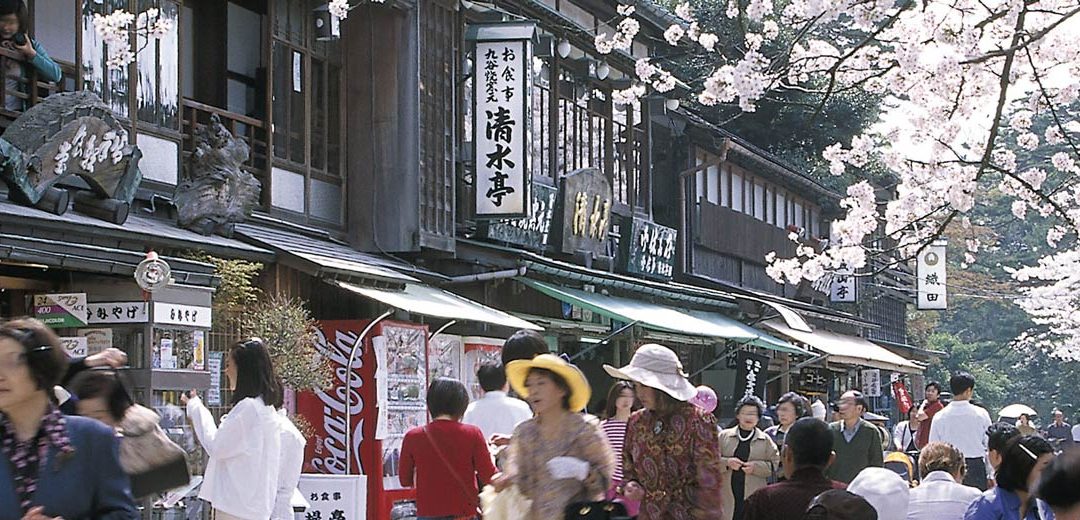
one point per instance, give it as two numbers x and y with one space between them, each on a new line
885 490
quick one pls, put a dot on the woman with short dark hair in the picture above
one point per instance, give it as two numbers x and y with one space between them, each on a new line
1013 498
749 456
446 446
57 466
241 480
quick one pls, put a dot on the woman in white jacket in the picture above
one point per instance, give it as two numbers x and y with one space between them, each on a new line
243 474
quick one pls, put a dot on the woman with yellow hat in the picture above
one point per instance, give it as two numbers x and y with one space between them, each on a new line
671 459
556 458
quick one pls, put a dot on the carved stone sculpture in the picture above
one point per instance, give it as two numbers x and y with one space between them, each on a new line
217 193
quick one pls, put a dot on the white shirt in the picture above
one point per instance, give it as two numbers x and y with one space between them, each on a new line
1076 433
963 425
497 413
939 497
292 463
245 457
902 435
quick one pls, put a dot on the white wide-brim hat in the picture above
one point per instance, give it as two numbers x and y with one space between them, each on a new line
656 366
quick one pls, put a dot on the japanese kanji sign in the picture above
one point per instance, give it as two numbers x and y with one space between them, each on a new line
871 382
586 211
530 232
501 119
334 497
750 372
814 380
843 286
117 312
176 314
649 249
930 271
903 397
61 310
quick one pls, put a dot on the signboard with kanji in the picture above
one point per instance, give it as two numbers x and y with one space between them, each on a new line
649 249
814 380
61 310
176 314
931 277
502 85
334 497
586 211
529 232
871 382
750 375
843 286
107 313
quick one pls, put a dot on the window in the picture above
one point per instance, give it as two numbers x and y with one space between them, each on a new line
759 201
799 215
725 186
770 205
781 209
714 184
737 196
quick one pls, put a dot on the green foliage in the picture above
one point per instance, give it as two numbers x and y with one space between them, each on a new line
286 327
992 384
238 289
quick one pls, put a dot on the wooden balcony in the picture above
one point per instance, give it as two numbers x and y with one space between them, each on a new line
29 89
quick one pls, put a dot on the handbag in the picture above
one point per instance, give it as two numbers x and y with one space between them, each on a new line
508 504
153 461
600 510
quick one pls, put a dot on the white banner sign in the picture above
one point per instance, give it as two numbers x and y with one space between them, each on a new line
501 99
335 497
176 314
117 312
871 382
843 286
930 271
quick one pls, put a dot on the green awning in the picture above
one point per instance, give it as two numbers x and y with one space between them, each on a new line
663 318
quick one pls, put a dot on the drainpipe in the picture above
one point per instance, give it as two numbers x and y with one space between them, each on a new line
348 389
490 275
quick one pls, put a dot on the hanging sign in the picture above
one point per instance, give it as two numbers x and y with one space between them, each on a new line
649 249
502 97
586 211
871 382
843 286
529 232
931 275
903 397
750 374
814 380
177 314
61 310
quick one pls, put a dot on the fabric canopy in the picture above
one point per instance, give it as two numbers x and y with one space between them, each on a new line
424 299
850 350
659 317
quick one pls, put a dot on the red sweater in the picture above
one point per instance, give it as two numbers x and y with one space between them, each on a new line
924 427
464 448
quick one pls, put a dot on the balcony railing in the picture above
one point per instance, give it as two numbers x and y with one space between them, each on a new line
195 115
28 88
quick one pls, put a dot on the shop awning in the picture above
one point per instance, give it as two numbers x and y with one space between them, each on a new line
849 350
424 299
662 318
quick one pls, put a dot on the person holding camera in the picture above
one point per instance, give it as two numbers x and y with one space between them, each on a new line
13 36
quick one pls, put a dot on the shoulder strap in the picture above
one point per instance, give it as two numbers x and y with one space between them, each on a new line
470 497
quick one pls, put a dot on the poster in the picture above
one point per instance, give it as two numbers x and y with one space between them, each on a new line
213 363
479 351
334 497
198 350
74 347
97 339
168 357
445 352
406 391
61 310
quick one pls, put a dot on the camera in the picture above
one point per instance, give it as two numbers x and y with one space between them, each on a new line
19 39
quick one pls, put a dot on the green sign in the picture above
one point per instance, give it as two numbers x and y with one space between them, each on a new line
61 310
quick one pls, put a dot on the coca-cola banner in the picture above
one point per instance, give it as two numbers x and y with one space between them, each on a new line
327 450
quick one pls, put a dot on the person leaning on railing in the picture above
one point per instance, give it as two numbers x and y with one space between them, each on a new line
13 36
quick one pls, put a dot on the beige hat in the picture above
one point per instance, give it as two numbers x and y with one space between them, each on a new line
656 366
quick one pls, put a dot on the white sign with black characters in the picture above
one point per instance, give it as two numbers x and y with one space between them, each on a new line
871 382
843 286
334 497
117 312
931 276
501 120
177 314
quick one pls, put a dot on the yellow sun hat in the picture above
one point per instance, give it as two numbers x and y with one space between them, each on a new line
580 391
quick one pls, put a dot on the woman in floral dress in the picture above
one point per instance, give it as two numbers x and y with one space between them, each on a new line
671 457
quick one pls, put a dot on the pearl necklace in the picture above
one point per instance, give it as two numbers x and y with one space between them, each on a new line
738 432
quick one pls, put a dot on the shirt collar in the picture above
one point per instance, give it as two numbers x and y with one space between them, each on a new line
858 423
495 394
939 476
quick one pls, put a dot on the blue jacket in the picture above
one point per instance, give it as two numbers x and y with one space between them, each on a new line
89 485
1000 504
47 69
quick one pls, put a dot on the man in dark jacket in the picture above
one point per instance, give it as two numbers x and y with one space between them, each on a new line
856 442
808 450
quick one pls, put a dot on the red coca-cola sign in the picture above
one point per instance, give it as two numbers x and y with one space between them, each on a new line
330 447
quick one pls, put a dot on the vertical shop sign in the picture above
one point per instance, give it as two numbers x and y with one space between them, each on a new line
501 118
931 275
213 363
903 397
843 286
871 382
586 211
649 249
61 310
750 372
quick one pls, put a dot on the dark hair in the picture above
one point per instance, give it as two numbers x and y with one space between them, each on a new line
491 377
558 380
960 382
940 456
811 441
750 400
523 344
41 346
91 384
255 373
613 395
934 384
802 406
999 434
17 8
447 396
1060 480
1017 461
